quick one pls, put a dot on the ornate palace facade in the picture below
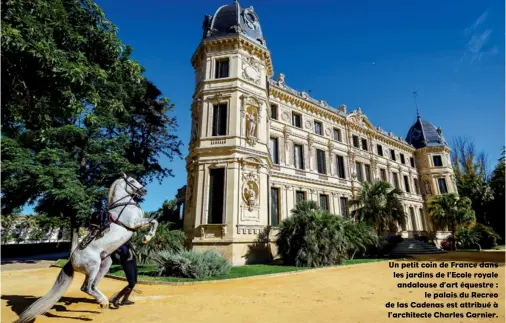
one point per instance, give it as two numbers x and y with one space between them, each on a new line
258 146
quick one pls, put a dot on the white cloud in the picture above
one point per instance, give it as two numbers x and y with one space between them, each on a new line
478 22
478 41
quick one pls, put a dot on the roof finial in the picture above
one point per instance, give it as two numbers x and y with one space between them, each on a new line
416 104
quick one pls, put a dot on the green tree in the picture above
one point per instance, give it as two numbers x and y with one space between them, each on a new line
76 110
472 177
452 212
496 207
379 206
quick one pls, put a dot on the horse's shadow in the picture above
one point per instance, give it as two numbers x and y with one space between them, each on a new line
18 303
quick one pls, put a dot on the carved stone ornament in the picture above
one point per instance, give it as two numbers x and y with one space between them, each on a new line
216 99
428 190
285 116
251 70
250 190
328 131
308 124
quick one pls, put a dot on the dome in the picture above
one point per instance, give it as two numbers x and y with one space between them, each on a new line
233 20
425 134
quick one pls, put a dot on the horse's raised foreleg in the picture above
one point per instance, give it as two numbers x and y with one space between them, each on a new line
143 222
152 231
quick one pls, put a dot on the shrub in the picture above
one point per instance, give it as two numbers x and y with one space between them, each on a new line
360 239
191 264
312 237
164 240
487 236
468 238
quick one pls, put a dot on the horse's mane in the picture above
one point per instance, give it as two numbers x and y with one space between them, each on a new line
111 190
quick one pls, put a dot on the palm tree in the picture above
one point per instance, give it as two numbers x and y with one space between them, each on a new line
304 207
451 211
379 206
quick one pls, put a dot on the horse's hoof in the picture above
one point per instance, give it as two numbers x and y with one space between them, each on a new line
104 306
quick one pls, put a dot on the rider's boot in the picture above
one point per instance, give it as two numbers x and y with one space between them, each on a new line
125 300
115 300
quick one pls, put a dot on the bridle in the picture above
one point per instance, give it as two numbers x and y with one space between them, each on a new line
117 203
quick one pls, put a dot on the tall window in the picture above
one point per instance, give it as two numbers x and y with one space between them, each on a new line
320 160
296 120
406 183
340 167
274 112
379 148
367 169
275 150
274 206
337 134
413 219
424 221
395 180
442 185
300 196
415 184
220 119
358 168
344 206
324 202
364 144
403 160
383 174
221 69
412 161
298 156
318 128
392 154
216 195
438 161
355 141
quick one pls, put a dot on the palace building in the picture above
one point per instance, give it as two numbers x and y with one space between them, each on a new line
258 146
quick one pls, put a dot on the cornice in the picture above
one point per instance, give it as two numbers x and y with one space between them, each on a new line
335 117
235 42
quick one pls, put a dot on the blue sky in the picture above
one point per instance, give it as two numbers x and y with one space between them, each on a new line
368 54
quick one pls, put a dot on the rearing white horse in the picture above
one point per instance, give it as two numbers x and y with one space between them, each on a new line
94 260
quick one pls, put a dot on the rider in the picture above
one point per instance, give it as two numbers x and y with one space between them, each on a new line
129 263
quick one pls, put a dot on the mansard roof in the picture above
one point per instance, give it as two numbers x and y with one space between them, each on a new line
355 116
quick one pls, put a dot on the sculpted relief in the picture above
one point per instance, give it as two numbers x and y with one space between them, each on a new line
252 116
251 70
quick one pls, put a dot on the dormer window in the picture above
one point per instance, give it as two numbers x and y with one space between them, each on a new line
221 68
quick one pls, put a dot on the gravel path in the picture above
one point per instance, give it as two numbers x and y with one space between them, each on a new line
349 294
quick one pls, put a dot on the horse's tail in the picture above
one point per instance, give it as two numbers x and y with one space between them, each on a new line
43 304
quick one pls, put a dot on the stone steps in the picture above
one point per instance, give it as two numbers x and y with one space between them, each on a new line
412 246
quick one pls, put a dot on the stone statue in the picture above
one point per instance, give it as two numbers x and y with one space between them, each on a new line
428 191
252 125
251 194
194 129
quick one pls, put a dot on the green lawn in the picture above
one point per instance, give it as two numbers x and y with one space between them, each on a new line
148 272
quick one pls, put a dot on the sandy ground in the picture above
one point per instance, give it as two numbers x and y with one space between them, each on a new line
350 294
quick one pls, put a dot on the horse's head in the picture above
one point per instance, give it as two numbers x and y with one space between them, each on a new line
132 186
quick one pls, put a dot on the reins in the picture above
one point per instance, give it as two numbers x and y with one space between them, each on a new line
115 204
